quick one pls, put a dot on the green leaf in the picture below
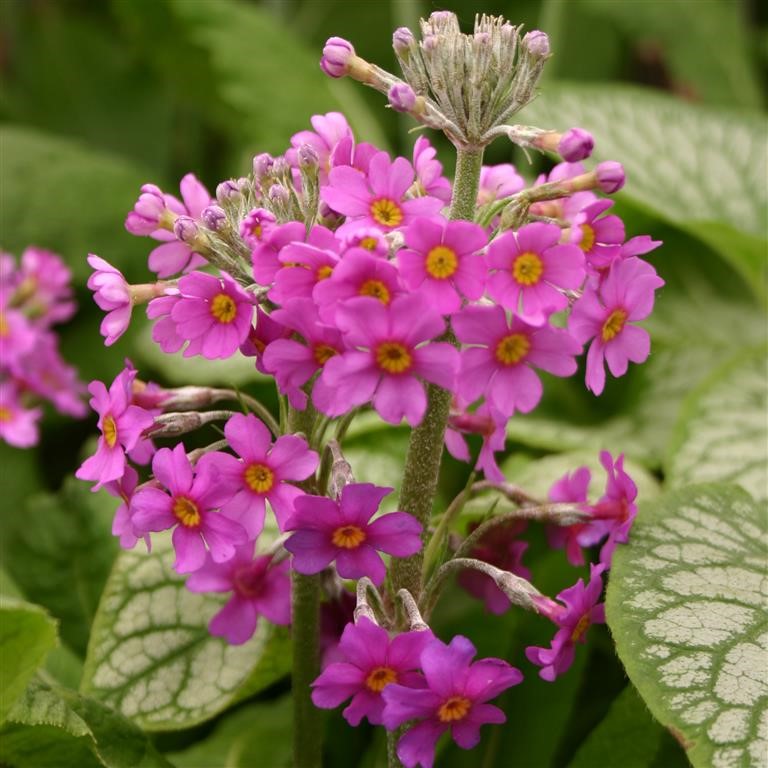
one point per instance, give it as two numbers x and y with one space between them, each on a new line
72 200
259 734
151 657
722 433
267 75
628 737
61 556
699 168
686 605
52 726
27 634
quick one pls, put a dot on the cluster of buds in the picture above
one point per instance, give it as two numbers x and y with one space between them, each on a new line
35 295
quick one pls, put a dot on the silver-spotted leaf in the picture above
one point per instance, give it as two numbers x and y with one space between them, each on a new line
686 604
151 657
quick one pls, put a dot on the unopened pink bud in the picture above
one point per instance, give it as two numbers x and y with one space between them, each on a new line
214 217
227 190
308 157
401 97
403 40
279 194
336 56
575 144
537 43
610 176
262 165
145 216
185 228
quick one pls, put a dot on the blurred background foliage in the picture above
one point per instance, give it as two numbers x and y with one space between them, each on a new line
97 98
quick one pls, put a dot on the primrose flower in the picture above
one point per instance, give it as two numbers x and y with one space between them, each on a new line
264 331
454 699
370 661
580 610
604 314
484 421
387 356
329 130
600 238
42 283
429 171
327 530
572 488
617 507
529 269
264 256
18 425
256 226
261 472
442 261
259 587
189 507
122 525
497 182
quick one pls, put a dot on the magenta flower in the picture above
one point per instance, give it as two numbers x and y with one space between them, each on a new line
112 294
378 198
387 356
121 425
572 489
483 421
455 699
580 611
122 523
262 334
442 261
264 256
327 530
261 473
600 238
329 130
499 363
259 588
42 282
294 363
617 507
497 182
18 425
17 334
604 314
256 227
429 171
531 269
189 507
370 239
370 661
213 314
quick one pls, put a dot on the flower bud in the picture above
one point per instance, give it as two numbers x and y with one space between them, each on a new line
145 216
537 43
262 165
227 191
403 40
214 218
185 228
401 97
308 157
280 167
278 194
575 144
610 176
336 57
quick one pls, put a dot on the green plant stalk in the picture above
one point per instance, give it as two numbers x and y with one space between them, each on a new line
305 620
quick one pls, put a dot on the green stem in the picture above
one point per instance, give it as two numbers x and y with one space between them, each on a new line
466 183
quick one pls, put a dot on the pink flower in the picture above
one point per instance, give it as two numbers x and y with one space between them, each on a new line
256 227
265 254
213 314
261 472
454 699
121 425
386 357
122 524
378 198
498 364
18 425
259 588
603 314
531 268
497 182
262 334
189 508
112 294
329 130
572 488
42 282
327 530
483 421
429 171
580 611
599 238
617 507
441 260
370 661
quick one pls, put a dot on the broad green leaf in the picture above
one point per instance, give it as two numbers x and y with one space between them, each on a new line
151 657
66 540
699 168
267 74
53 726
259 734
70 199
722 434
628 736
686 604
27 634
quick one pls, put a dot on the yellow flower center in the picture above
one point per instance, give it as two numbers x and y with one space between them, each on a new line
380 678
4 327
109 430
186 512
442 262
223 308
5 413
386 212
527 268
348 537
259 478
613 325
454 709
323 353
580 628
377 289
587 238
369 243
393 357
324 272
512 348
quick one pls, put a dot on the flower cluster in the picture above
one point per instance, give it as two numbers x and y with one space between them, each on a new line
35 295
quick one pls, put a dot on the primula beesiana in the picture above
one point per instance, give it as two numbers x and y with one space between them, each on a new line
367 283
